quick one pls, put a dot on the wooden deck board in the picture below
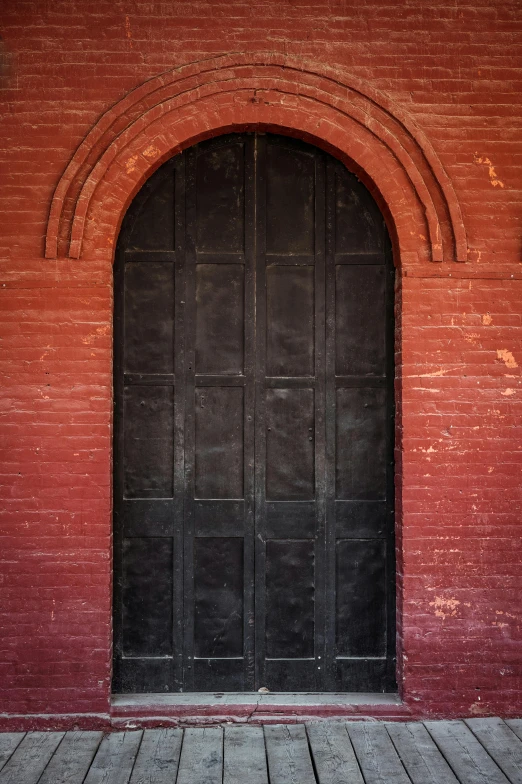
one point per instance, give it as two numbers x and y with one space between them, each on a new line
8 743
516 726
501 743
470 761
72 759
333 754
201 757
288 754
114 759
30 759
244 751
158 758
376 754
419 754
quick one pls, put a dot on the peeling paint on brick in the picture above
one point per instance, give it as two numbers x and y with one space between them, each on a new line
507 357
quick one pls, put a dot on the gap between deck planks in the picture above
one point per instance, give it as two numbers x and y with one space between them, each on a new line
473 751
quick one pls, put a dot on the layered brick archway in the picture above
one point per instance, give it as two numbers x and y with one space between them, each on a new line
360 126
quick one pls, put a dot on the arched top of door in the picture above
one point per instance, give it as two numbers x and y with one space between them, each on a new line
373 135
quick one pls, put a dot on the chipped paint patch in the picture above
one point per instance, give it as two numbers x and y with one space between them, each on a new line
476 708
445 608
493 177
130 163
472 338
507 357
477 252
508 392
151 151
128 32
486 319
440 372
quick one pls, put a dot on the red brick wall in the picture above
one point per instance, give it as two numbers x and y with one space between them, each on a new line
453 69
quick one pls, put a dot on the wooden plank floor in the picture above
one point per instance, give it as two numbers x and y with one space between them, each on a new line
475 751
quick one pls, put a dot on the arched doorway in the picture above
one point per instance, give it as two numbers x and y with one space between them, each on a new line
253 454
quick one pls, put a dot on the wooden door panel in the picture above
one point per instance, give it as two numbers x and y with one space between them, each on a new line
290 191
220 327
147 604
361 444
290 519
361 593
152 225
218 597
361 519
290 330
219 517
290 639
148 442
360 320
149 317
289 445
253 440
290 588
219 442
219 191
359 227
143 517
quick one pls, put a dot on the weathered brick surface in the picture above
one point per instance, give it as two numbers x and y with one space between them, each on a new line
455 69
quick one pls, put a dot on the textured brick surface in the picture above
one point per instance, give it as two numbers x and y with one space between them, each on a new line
455 70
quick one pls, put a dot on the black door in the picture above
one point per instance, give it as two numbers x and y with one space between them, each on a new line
253 426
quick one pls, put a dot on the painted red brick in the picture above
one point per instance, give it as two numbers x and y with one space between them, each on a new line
455 72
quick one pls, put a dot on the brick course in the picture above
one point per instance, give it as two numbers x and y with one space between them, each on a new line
454 73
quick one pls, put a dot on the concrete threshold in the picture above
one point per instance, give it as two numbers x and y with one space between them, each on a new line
256 698
153 710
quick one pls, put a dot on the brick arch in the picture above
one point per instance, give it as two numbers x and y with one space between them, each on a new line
362 127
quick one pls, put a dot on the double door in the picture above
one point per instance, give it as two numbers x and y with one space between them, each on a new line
253 470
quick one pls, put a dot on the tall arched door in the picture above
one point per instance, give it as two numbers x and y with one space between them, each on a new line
253 460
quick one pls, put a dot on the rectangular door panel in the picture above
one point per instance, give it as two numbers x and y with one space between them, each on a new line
147 605
218 597
359 225
290 201
290 320
219 518
220 199
361 597
219 675
365 674
153 225
360 319
361 444
290 590
290 519
148 442
361 519
219 442
147 517
219 319
149 317
292 675
289 444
